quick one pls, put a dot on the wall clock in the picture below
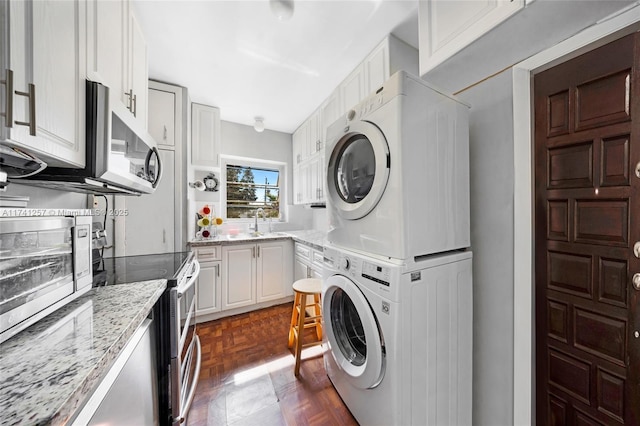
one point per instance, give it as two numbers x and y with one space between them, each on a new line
210 182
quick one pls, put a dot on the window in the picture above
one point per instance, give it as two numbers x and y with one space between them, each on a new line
250 188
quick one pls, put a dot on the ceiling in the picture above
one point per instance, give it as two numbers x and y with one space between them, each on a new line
237 55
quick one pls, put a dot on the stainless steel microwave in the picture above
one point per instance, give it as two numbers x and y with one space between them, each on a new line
121 157
45 262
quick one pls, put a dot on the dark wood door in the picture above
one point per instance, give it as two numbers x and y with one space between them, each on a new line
587 220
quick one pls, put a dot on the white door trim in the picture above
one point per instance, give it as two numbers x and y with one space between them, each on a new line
595 36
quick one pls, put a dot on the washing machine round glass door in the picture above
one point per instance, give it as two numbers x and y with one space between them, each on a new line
354 336
358 170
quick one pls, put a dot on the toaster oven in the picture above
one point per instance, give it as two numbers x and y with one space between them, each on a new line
45 262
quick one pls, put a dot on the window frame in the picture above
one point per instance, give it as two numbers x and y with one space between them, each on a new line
253 163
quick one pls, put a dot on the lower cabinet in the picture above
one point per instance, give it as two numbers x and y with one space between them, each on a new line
255 273
308 262
208 287
237 277
208 297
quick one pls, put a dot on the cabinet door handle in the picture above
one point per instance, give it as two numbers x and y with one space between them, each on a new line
129 94
164 236
164 136
135 105
31 94
258 251
8 102
253 252
217 270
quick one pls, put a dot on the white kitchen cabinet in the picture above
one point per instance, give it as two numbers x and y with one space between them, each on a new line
205 135
139 71
353 89
308 152
209 284
208 288
446 27
390 56
255 273
117 54
314 138
162 114
43 77
308 261
107 39
300 141
238 276
299 184
316 178
309 181
331 110
274 272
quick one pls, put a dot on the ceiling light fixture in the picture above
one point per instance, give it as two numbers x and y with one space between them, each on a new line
283 9
259 124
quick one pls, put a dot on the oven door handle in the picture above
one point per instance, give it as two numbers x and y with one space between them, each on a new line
192 279
194 384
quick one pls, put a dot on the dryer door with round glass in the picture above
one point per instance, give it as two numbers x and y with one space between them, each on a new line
358 170
354 337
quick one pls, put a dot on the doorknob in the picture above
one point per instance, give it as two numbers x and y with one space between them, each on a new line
636 249
636 280
638 169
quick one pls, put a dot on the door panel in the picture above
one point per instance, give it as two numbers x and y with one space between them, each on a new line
587 205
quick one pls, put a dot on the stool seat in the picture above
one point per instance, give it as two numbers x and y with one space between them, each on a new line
302 319
308 286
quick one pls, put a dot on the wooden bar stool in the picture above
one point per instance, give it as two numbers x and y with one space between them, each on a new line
300 319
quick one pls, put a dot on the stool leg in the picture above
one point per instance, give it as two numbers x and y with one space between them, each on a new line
294 318
318 313
303 305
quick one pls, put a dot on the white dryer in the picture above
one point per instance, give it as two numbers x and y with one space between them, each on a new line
398 172
398 339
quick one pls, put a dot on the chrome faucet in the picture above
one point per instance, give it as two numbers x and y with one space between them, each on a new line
255 225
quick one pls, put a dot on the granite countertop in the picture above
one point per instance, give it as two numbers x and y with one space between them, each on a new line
48 370
310 237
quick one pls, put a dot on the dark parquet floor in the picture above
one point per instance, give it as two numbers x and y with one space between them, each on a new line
247 378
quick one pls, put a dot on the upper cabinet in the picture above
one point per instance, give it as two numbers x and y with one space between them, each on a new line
163 114
390 56
117 54
447 27
43 79
353 89
205 135
465 42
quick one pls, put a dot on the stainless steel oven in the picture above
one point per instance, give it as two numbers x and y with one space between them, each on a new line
45 262
186 352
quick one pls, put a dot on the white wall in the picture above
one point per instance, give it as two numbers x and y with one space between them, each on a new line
491 176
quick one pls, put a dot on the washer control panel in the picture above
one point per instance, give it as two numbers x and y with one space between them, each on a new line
376 273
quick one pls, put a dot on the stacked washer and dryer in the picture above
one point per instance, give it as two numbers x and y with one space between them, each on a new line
397 295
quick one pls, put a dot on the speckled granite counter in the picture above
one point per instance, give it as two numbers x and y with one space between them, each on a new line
310 237
48 370
239 239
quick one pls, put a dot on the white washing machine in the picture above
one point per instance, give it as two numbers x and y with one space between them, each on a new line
398 172
398 338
